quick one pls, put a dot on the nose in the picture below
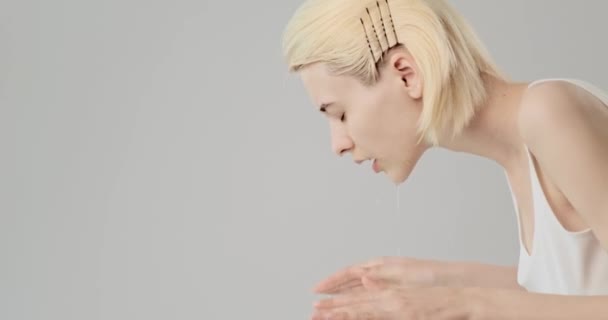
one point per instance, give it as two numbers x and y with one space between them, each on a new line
340 141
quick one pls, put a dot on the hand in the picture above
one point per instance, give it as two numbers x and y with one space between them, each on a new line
384 272
428 303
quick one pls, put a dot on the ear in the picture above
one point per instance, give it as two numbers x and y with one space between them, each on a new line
404 65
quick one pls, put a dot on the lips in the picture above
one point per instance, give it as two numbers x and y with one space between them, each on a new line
375 166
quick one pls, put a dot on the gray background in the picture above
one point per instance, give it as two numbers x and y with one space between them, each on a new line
158 163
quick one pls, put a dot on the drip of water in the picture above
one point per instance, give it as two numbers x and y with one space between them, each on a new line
397 224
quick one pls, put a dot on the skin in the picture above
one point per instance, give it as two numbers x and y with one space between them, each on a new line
379 122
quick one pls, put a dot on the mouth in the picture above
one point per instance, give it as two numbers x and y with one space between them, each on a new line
375 164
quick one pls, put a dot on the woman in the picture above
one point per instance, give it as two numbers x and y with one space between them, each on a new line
397 77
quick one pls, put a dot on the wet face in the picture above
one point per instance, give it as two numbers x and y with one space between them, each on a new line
377 122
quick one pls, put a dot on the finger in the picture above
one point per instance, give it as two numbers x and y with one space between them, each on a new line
347 299
370 284
351 285
354 290
387 272
353 272
377 261
340 279
363 311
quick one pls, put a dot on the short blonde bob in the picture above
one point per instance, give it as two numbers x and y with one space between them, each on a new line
351 36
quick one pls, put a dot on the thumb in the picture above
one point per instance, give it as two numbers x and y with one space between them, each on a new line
370 283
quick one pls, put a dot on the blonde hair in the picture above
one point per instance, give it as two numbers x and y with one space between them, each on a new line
350 36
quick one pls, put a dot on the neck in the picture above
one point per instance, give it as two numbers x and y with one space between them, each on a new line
493 132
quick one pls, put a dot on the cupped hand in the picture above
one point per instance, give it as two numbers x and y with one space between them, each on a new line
428 303
383 272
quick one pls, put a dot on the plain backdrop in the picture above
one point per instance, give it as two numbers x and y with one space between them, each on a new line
157 161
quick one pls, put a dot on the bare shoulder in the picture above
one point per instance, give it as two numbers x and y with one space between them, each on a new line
565 126
558 108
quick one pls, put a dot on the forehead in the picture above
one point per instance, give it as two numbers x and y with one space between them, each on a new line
324 87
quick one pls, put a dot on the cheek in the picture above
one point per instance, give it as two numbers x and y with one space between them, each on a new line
396 123
384 124
378 132
397 131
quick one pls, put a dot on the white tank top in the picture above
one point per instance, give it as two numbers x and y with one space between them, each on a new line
561 261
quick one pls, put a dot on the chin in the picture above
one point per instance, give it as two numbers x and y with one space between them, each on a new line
399 172
398 176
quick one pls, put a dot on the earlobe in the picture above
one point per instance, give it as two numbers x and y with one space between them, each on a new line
412 85
416 89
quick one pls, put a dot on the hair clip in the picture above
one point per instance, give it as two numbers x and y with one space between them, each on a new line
376 33
390 15
383 26
367 38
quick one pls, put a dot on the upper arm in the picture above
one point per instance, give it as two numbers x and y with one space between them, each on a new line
568 134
